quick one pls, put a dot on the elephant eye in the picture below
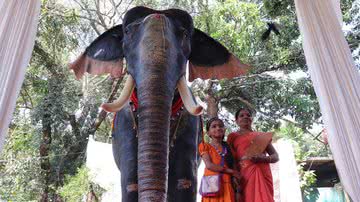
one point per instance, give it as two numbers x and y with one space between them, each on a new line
185 33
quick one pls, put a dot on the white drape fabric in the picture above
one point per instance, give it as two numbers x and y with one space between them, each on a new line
337 85
285 175
103 169
18 25
337 10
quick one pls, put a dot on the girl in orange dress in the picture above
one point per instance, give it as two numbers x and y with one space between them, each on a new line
256 184
211 155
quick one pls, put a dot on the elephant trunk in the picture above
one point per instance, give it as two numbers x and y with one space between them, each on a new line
153 141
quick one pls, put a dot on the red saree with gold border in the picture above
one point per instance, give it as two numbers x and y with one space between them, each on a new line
256 183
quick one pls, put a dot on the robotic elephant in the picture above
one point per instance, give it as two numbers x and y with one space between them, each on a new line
154 140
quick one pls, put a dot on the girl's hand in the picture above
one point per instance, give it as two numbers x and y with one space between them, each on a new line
233 172
237 175
236 182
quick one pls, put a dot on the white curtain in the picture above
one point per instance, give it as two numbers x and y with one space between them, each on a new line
337 84
18 25
285 175
103 169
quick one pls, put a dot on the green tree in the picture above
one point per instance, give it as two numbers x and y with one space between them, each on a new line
18 171
57 112
273 62
75 186
278 85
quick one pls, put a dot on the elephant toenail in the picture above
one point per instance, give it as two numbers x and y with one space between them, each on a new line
132 188
184 184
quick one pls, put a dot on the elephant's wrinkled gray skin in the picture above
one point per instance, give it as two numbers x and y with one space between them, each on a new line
182 156
157 46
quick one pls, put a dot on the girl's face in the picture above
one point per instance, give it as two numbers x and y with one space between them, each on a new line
217 129
244 119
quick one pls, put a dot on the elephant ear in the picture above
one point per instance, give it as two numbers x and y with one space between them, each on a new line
211 60
104 55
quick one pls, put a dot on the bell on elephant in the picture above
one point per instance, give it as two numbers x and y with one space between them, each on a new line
157 45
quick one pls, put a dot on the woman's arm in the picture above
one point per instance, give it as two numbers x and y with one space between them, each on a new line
218 168
273 156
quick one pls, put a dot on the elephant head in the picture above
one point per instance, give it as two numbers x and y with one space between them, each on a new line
157 46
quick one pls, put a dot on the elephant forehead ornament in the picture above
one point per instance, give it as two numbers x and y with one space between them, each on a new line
157 46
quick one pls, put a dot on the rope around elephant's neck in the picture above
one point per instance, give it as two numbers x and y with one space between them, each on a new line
176 128
172 142
133 119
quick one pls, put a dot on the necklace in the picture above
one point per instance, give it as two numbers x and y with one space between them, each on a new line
243 131
221 153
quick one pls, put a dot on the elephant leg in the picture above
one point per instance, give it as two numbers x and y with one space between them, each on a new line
183 161
124 142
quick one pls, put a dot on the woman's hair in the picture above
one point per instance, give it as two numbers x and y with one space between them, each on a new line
229 159
241 109
208 123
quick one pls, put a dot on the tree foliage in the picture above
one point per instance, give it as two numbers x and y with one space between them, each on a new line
278 87
76 185
269 87
20 161
60 113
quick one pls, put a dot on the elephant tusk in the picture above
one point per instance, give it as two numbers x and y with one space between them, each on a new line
186 96
124 97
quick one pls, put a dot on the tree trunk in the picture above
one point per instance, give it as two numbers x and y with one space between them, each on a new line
212 102
212 106
91 196
44 155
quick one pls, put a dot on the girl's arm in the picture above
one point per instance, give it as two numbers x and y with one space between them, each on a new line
218 168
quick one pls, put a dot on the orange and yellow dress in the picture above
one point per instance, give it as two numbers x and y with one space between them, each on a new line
256 183
226 193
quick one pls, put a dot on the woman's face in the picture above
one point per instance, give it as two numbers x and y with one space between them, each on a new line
244 119
217 129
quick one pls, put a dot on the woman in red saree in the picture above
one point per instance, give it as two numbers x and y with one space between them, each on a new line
256 184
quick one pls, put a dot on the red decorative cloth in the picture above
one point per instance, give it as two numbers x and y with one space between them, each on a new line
174 109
